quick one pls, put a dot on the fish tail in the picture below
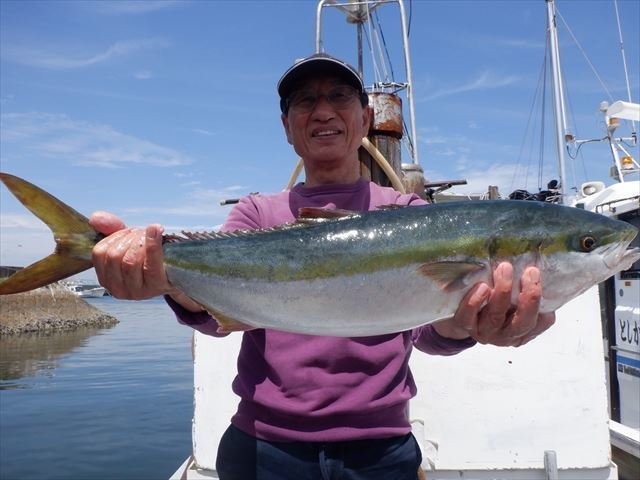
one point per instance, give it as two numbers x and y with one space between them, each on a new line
72 233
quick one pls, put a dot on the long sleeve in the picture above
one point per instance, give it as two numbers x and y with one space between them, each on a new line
427 340
200 321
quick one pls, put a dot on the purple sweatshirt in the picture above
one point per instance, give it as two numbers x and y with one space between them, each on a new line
296 387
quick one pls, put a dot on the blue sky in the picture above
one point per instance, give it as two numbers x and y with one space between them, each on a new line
157 110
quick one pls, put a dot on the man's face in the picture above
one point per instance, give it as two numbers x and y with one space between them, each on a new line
327 134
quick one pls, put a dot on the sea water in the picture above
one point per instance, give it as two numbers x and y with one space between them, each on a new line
112 403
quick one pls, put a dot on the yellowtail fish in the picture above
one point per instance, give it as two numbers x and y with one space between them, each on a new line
359 274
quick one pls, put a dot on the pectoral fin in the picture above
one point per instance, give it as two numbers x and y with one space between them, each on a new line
451 276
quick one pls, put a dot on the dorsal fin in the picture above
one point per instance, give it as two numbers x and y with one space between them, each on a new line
391 206
185 236
307 216
313 215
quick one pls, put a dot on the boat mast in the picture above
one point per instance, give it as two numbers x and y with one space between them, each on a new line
558 97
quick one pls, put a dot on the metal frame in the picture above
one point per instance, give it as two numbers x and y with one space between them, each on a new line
351 9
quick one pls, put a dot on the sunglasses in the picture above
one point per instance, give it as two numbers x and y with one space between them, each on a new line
339 97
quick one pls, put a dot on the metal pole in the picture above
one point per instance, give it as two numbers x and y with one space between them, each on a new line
360 67
558 97
550 465
407 60
319 24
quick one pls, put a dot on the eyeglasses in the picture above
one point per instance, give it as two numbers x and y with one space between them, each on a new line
339 97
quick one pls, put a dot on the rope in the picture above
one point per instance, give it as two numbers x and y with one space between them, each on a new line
383 164
295 174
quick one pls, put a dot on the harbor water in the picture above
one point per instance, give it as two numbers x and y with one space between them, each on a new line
98 403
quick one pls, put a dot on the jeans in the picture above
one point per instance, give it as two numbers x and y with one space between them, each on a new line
242 457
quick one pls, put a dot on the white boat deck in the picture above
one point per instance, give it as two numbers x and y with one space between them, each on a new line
488 412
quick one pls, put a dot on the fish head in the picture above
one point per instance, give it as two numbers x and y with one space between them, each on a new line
586 250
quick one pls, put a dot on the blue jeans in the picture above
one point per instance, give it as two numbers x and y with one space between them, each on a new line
242 457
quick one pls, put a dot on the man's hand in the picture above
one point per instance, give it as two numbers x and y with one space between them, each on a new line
488 316
130 262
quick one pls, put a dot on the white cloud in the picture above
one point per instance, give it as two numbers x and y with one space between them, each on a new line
193 183
200 202
484 81
142 75
24 240
45 58
203 132
82 143
133 7
519 43
27 222
501 175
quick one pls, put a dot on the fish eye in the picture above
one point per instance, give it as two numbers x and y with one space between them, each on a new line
587 243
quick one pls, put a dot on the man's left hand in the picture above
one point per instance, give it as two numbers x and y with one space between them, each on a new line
488 316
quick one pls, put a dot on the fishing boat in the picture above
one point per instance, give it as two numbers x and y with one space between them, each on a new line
86 290
619 296
537 412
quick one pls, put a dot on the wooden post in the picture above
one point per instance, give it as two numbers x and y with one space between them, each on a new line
385 133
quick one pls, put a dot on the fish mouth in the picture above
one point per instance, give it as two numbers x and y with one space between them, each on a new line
618 255
621 259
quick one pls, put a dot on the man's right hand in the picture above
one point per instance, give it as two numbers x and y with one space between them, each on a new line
129 262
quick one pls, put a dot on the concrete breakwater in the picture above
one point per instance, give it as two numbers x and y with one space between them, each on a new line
48 309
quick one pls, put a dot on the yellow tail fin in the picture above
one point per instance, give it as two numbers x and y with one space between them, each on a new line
71 230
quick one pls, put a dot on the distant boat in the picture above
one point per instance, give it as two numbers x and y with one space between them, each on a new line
86 291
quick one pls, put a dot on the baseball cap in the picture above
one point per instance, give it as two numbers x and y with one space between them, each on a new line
318 63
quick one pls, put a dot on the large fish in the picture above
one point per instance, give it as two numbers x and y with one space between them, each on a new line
362 273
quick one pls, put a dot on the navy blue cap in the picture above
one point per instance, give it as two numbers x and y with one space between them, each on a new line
318 64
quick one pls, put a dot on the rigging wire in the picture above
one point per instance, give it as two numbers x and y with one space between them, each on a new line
593 68
374 64
384 43
381 60
376 36
534 101
624 58
387 65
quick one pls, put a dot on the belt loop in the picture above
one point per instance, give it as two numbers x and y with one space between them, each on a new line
322 461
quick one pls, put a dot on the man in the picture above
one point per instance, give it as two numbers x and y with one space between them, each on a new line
316 407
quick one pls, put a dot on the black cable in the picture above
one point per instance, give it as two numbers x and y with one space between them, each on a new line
573 157
384 43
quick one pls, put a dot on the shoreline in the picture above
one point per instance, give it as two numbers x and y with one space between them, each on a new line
49 309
